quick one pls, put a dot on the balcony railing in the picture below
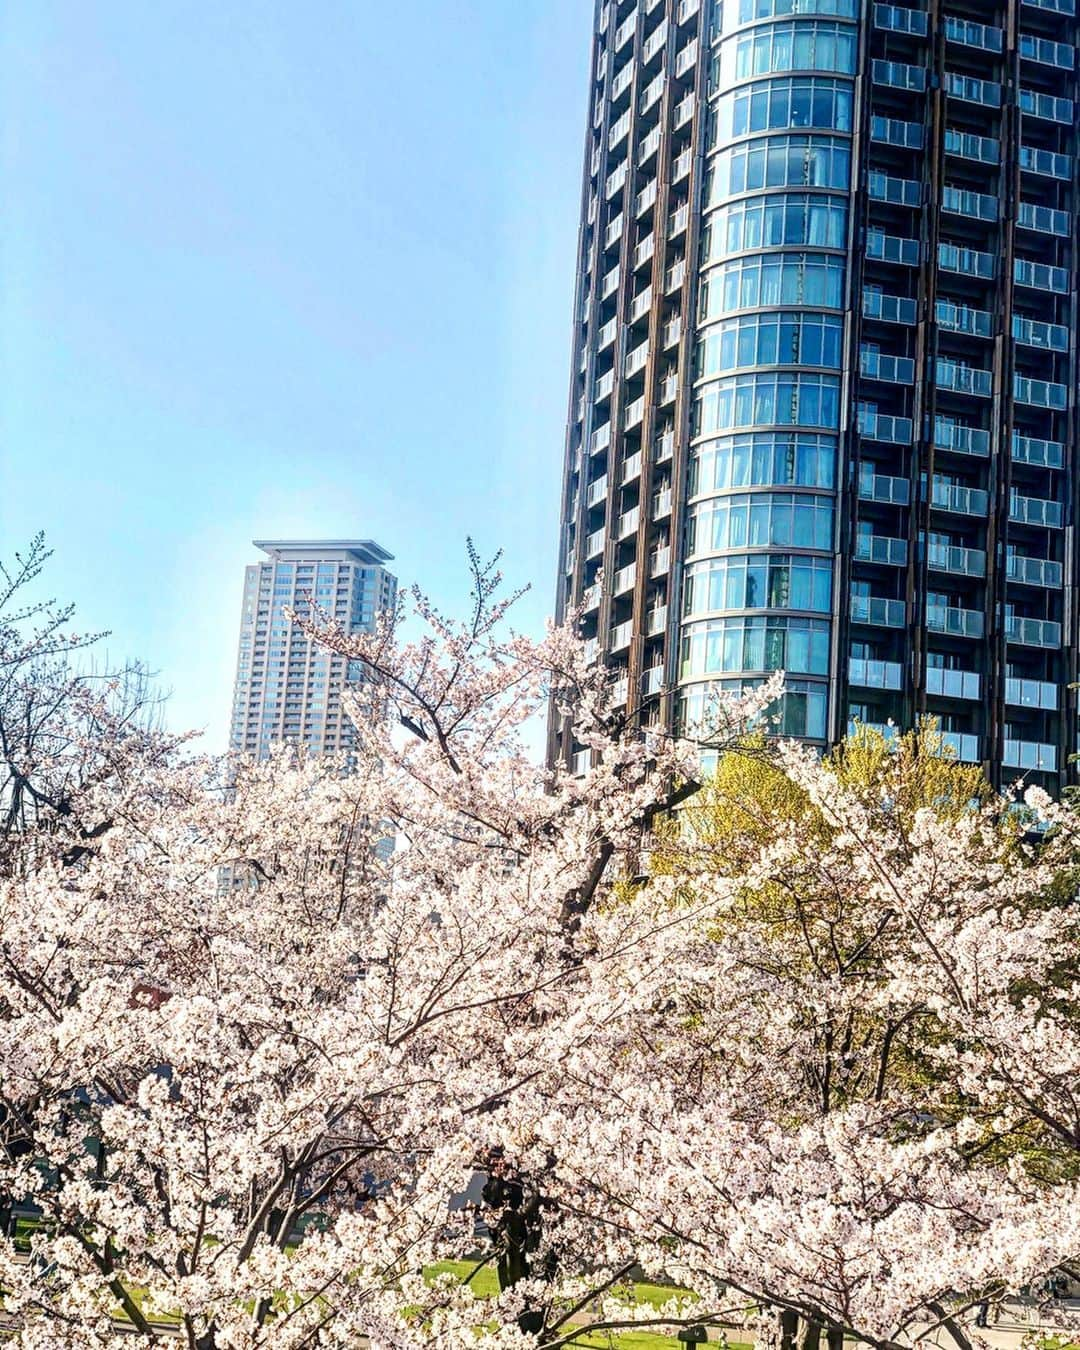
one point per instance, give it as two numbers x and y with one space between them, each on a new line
962 501
1047 52
900 19
1041 276
880 548
883 187
970 34
871 674
631 468
628 523
656 620
1046 106
597 491
956 559
1034 571
898 75
1036 511
1033 632
879 611
961 439
624 579
892 248
967 261
1030 755
1044 220
965 379
1046 162
594 543
621 636
966 145
875 365
1031 694
889 308
1039 453
943 683
1049 337
965 202
963 745
894 131
972 90
874 426
881 487
954 620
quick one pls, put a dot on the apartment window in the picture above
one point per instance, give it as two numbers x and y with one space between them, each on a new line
771 281
758 520
773 105
767 222
772 340
753 643
763 460
780 47
768 400
777 162
758 581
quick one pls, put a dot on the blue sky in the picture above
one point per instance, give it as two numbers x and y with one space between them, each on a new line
271 268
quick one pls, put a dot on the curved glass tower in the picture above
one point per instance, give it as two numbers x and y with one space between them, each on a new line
822 414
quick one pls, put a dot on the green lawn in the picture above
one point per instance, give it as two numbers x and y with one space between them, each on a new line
485 1284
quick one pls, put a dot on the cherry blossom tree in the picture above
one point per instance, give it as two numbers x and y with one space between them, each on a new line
260 1023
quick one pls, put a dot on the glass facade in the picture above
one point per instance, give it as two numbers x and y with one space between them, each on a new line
824 368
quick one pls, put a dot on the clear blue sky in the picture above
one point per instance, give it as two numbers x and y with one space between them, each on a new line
274 268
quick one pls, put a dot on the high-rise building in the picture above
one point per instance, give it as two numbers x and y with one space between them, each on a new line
823 411
287 688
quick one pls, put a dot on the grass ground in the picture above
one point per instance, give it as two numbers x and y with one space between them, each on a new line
485 1284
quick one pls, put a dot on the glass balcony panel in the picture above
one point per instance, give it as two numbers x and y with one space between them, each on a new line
954 620
874 426
892 248
1044 219
1033 632
1030 755
1045 162
1031 694
1040 276
966 145
872 674
889 308
954 558
900 19
1036 511
876 365
964 202
1053 6
1050 337
965 379
964 440
883 187
898 75
1040 393
1042 454
877 610
964 319
879 548
964 501
966 261
1034 571
880 487
970 90
964 746
944 683
1047 52
1046 106
894 131
970 34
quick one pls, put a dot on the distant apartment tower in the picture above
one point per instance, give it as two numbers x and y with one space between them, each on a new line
824 388
287 688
